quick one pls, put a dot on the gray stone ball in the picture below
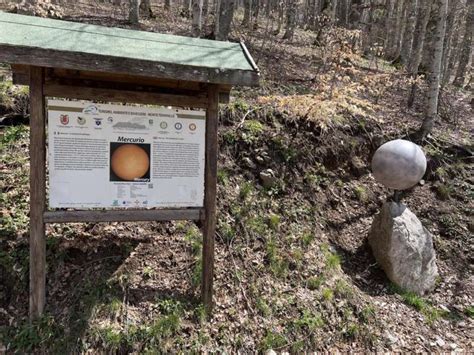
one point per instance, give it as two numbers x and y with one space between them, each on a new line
399 164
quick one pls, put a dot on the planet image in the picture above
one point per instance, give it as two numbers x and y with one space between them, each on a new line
130 162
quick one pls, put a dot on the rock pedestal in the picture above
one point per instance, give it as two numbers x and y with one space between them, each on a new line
404 248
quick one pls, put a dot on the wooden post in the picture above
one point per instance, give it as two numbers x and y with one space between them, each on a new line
210 184
37 193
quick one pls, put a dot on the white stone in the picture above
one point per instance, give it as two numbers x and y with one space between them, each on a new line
399 164
404 248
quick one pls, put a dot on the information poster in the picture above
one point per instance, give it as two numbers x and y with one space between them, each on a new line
124 156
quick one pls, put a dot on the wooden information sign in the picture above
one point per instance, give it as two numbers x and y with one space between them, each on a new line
60 59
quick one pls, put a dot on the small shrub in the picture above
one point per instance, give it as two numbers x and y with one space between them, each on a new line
263 307
309 321
253 127
223 177
469 311
307 239
273 340
352 330
443 192
274 221
343 289
315 283
361 193
328 295
367 314
333 261
246 190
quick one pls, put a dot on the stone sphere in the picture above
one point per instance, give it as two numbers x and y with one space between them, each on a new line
399 164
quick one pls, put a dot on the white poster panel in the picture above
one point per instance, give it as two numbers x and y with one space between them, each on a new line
124 156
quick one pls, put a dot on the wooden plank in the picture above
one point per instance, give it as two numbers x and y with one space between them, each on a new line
123 215
37 194
123 78
128 96
145 68
209 225
98 79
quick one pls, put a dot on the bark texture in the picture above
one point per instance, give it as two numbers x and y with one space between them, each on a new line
197 17
226 14
134 12
466 47
435 69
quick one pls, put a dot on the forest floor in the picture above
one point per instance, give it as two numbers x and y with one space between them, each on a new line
293 268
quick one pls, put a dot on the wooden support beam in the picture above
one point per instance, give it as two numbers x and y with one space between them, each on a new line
37 193
124 215
209 225
126 96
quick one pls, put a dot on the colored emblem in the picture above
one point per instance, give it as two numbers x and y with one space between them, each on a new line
64 119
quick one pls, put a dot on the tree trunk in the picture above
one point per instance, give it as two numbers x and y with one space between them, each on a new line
256 13
281 9
247 12
334 4
399 29
466 46
167 5
407 41
390 24
134 12
450 20
290 20
145 8
226 14
424 9
435 69
454 55
197 18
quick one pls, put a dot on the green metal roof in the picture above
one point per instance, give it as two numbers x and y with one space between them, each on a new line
63 37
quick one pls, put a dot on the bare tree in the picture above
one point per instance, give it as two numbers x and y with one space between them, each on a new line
447 47
290 19
441 7
407 41
226 14
145 8
466 46
197 18
247 12
424 9
134 12
167 5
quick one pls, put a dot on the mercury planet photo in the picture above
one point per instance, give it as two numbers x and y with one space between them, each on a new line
129 162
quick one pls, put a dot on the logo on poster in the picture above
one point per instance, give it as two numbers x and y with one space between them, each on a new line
91 109
81 120
178 125
98 121
64 119
192 127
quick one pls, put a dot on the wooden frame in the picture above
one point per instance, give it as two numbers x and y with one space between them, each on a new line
205 96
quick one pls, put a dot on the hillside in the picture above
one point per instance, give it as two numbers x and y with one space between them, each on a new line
293 268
